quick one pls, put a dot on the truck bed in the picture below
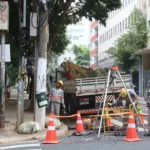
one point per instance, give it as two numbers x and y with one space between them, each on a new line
95 85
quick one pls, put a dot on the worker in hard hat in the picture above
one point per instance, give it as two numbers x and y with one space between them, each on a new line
124 100
56 98
147 99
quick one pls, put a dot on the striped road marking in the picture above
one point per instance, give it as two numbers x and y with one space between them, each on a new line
21 146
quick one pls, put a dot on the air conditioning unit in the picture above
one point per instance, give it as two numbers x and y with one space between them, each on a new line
4 15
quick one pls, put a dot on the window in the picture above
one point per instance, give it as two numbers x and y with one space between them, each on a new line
113 31
126 25
120 27
129 21
125 3
123 26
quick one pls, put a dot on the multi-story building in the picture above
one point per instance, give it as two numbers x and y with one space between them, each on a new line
103 37
117 24
94 44
78 34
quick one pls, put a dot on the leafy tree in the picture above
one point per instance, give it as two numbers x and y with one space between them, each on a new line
61 14
82 54
65 12
134 39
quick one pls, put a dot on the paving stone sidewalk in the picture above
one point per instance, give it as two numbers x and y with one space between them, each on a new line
9 135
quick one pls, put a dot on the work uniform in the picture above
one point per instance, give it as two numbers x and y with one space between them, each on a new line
147 99
125 101
56 98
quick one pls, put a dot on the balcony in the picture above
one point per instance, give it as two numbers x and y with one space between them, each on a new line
93 52
94 66
94 37
93 24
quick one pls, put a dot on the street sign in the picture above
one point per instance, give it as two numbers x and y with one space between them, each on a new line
4 15
7 53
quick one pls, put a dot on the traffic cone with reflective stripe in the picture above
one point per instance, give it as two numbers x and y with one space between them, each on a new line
131 135
79 123
139 107
108 119
51 137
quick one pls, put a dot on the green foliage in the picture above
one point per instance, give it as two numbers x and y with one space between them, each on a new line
61 14
82 54
11 71
93 73
134 39
64 12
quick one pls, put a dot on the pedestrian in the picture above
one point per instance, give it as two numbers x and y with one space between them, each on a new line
147 99
124 100
56 98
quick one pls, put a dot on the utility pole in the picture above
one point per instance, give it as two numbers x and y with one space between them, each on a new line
4 11
34 10
2 82
20 104
42 64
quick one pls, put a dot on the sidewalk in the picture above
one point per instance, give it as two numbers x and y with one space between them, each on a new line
9 136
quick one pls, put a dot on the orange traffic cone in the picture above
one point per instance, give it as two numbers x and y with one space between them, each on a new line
139 107
51 137
79 123
108 120
131 135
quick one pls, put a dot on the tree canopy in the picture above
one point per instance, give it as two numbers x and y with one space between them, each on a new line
65 12
130 42
61 14
82 54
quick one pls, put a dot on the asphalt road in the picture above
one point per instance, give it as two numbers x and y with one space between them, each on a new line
84 143
109 142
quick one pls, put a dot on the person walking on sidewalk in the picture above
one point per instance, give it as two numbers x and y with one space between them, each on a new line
56 98
147 99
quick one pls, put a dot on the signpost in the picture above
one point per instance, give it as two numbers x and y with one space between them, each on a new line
4 11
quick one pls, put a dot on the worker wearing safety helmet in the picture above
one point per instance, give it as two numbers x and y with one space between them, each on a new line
56 98
124 100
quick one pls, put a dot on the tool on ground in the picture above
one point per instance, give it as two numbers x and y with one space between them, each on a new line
113 72
51 137
131 135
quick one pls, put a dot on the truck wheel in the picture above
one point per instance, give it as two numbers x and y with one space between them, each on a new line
71 109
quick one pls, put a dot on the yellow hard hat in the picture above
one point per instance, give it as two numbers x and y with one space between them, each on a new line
61 82
123 92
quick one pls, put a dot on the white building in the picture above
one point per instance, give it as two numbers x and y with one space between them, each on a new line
117 24
78 34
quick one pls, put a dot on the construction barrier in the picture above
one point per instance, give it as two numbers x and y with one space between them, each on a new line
131 132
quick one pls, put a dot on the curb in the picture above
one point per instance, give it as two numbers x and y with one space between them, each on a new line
37 136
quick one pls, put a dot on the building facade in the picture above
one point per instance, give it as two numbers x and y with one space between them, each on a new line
118 22
94 44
